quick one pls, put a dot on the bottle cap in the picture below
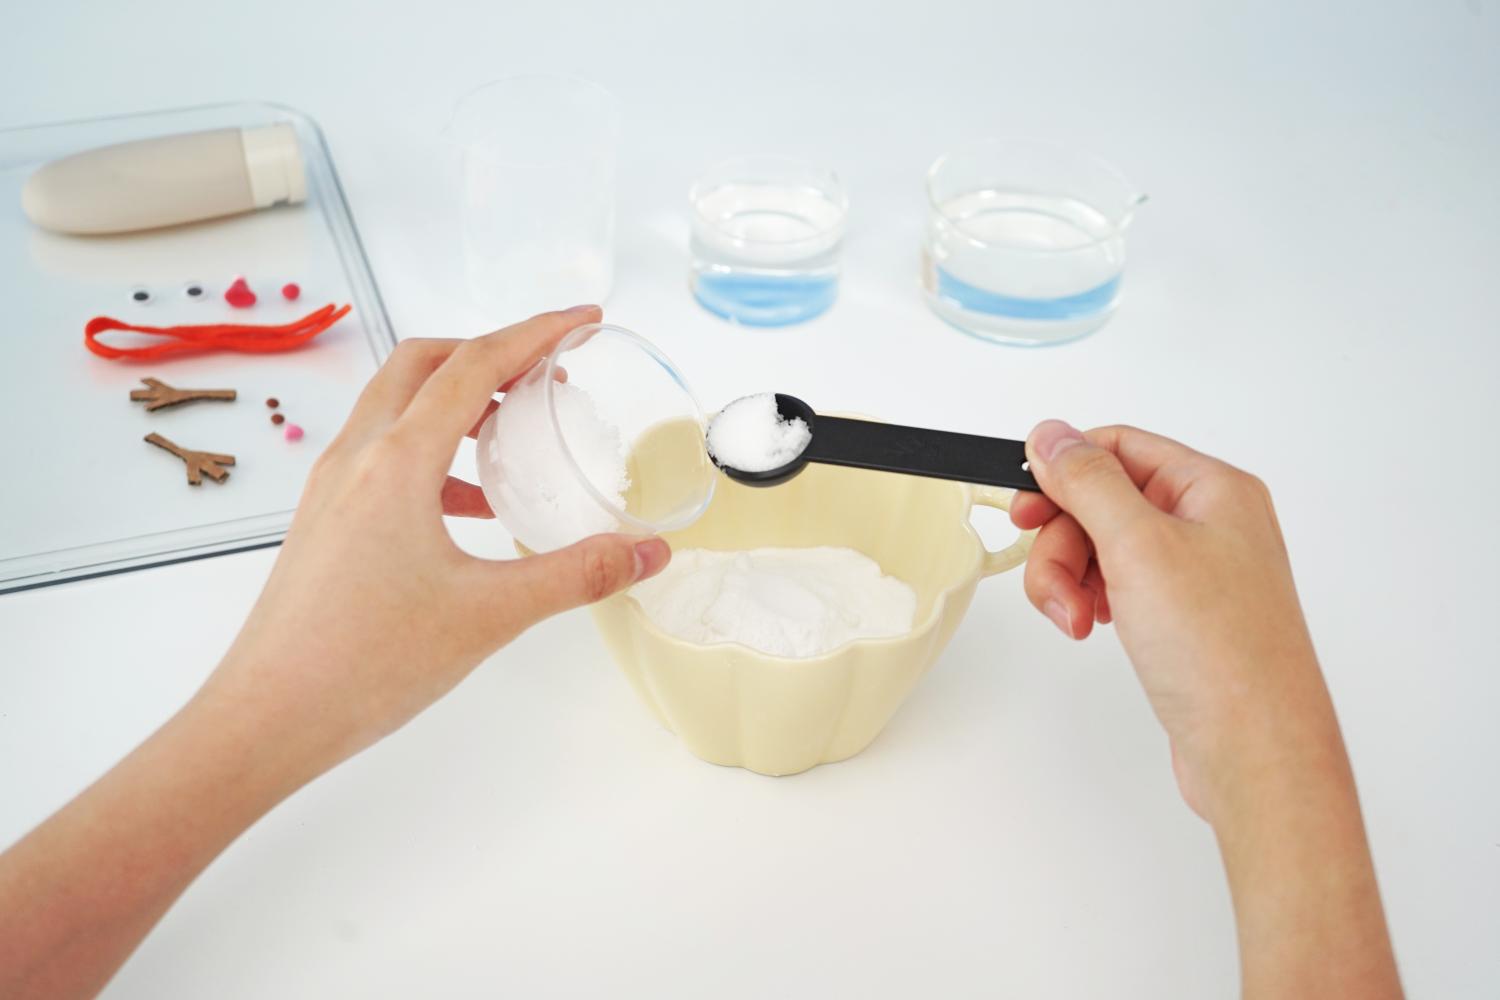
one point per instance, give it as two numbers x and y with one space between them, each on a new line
274 163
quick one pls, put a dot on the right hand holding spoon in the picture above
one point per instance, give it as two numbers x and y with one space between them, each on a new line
1184 553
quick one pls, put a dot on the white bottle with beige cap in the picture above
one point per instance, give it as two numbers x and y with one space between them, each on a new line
167 181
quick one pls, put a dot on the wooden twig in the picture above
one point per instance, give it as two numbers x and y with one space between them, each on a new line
199 463
160 394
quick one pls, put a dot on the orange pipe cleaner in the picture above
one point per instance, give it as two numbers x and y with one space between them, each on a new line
242 337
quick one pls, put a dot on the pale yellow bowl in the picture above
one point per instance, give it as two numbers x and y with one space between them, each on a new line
733 705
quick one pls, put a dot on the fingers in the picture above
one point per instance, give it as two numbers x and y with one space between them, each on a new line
1085 480
1145 455
559 374
392 388
1093 581
387 394
1154 463
1031 510
544 585
461 499
1165 470
452 399
1106 482
484 415
1056 572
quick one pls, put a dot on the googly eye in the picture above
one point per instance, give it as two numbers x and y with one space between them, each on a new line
140 295
194 291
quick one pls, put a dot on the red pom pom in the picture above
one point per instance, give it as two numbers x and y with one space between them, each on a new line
239 295
290 291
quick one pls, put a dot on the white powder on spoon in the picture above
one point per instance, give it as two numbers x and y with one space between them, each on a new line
795 603
751 435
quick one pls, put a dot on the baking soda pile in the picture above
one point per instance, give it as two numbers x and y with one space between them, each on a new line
538 493
795 603
750 435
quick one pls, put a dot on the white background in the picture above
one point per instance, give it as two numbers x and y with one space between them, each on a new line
1312 294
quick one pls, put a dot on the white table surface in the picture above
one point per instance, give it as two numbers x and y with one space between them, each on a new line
1311 294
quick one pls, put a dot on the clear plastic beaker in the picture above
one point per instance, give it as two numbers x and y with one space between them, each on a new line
536 165
767 235
561 457
1025 241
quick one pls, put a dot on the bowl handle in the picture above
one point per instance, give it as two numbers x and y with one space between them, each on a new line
1013 554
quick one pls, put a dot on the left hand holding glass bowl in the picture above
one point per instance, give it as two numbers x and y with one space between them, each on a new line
558 458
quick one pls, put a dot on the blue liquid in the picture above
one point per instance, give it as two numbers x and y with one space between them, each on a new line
760 299
972 298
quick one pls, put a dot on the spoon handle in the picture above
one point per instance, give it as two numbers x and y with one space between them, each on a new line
916 451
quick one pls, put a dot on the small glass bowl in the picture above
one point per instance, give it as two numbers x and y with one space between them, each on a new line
767 239
557 460
1025 241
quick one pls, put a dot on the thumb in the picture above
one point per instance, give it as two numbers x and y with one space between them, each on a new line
544 585
1085 480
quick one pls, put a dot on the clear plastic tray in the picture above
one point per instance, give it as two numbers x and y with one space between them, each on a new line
81 493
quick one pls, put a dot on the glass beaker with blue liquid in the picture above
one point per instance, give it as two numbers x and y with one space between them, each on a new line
1025 241
767 236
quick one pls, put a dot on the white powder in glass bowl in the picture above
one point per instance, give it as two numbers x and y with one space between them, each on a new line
530 484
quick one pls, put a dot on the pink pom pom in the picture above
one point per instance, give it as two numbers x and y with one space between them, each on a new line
292 432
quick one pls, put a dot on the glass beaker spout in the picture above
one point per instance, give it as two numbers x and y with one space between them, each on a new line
1132 203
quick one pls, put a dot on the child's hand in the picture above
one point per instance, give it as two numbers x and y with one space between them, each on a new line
372 612
370 615
1183 552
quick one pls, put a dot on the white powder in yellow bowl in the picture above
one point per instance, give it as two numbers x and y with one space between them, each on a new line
795 603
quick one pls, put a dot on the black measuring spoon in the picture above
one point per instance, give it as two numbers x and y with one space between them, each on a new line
915 451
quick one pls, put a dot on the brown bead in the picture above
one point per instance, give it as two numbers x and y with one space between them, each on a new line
273 402
277 418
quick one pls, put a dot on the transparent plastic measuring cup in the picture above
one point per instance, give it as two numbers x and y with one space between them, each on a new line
536 165
1025 241
560 459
